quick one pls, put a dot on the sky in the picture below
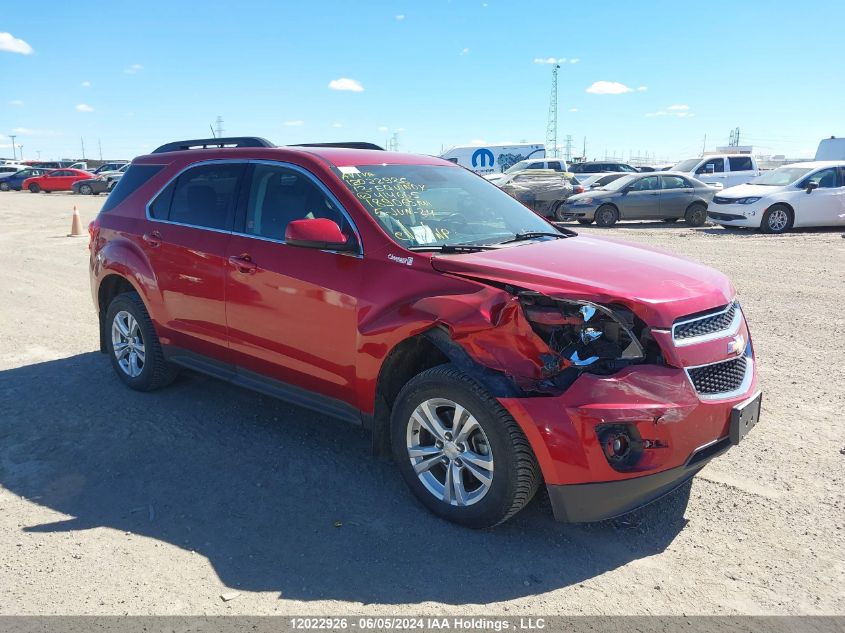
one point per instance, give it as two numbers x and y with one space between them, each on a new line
635 77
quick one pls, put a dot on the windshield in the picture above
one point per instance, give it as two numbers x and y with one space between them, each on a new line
686 165
781 176
619 183
432 205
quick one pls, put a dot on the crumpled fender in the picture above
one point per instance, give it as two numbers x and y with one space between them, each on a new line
122 257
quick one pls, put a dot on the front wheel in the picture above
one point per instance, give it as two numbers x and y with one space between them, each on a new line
34 188
606 215
133 345
86 190
461 453
4 186
777 219
696 215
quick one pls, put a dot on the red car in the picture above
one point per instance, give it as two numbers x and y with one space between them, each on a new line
489 350
56 180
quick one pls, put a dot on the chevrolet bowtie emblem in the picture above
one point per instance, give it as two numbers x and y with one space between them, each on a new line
736 345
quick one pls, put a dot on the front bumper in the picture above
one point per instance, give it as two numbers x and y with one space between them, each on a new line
750 215
576 211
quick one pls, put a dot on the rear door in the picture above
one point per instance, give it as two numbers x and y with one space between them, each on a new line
825 205
291 311
185 240
676 193
741 170
641 199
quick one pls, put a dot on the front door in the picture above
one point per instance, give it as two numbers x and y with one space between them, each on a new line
642 199
825 205
186 241
291 311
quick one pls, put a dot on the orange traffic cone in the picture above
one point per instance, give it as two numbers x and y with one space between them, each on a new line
76 224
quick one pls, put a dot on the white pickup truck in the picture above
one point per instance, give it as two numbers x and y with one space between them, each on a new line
728 170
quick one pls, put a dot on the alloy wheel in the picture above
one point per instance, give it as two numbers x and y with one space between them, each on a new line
778 219
449 452
128 344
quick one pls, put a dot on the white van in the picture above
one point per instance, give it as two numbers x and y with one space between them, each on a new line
493 159
727 170
831 149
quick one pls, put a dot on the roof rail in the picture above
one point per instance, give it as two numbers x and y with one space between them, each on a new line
217 143
346 145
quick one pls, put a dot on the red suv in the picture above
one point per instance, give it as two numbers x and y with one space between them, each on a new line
489 350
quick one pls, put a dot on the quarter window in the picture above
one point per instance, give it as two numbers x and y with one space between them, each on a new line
279 195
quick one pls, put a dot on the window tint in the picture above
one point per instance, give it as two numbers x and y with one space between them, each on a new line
278 195
535 166
622 167
553 164
674 182
205 196
134 177
648 183
824 178
718 165
740 163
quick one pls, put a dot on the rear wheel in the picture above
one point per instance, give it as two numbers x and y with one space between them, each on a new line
606 215
133 345
777 219
86 190
4 186
34 188
461 453
696 214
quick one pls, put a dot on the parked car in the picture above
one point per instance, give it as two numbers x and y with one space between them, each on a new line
594 181
102 183
496 351
599 167
13 181
541 190
547 164
658 196
10 168
797 195
55 180
727 170
113 166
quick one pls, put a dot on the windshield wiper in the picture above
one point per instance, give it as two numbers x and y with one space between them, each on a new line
453 248
532 235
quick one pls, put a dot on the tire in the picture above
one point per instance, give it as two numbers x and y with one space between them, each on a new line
153 372
86 190
557 212
777 219
606 215
494 438
34 188
585 221
696 214
4 186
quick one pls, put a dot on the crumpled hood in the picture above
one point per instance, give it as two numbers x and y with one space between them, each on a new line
746 191
656 285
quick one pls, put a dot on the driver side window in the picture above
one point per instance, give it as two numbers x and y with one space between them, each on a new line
824 179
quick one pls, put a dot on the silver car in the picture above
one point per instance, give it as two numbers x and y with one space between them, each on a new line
649 196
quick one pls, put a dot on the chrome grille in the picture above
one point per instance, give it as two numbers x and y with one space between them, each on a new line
706 325
720 378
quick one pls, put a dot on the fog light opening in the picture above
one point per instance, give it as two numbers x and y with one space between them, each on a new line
621 445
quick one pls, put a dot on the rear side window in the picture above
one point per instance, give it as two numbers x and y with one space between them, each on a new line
553 164
203 196
674 182
740 163
134 177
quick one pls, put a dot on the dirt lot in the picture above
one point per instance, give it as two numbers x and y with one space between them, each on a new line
116 502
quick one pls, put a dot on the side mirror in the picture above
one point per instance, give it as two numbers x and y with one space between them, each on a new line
812 185
317 233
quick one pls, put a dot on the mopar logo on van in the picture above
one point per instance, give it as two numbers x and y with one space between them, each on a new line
483 156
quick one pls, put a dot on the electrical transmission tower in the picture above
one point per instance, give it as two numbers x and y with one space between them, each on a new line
734 138
567 149
219 124
393 143
551 129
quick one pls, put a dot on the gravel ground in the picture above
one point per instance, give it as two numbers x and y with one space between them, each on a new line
116 502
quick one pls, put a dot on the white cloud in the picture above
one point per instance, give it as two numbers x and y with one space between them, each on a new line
383 128
658 113
337 124
642 88
295 123
550 60
85 84
133 69
573 109
28 131
84 107
608 88
400 17
678 107
574 60
16 102
344 83
465 51
12 44
679 110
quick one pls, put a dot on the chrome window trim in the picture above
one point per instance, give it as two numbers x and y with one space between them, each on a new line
731 330
245 161
727 395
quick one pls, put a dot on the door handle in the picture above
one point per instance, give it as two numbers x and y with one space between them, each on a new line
153 239
243 263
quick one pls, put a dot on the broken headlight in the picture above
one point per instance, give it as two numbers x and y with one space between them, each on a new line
585 335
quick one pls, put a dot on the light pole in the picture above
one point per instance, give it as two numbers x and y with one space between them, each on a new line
20 147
